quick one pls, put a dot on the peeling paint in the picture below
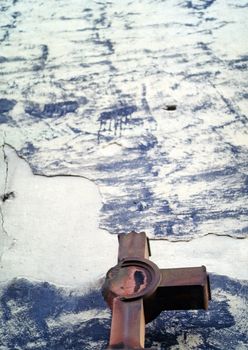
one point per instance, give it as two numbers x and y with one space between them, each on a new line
112 119
78 232
61 121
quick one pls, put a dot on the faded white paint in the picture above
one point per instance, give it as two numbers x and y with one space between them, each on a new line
52 224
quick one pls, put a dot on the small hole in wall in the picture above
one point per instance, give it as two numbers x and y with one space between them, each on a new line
8 195
170 107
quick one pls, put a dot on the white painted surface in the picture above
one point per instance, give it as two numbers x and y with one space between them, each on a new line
221 255
52 226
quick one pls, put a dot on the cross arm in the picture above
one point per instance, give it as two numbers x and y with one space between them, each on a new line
179 289
184 289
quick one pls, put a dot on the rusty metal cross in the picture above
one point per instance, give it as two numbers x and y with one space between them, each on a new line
137 291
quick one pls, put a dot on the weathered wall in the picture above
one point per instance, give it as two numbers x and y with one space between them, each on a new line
117 116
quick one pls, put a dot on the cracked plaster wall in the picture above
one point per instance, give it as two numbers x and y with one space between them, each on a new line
52 226
90 147
58 218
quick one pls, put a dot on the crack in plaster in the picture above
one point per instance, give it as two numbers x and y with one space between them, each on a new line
3 226
7 169
5 235
12 195
48 176
5 159
176 240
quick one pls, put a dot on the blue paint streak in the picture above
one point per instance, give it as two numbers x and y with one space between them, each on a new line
6 105
198 5
115 119
76 130
4 119
240 64
3 59
52 110
28 150
214 174
118 112
204 106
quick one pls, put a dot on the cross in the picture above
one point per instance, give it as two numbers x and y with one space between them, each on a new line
136 291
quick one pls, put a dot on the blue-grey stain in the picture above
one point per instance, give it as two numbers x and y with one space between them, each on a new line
44 52
118 112
3 59
210 19
198 5
242 6
52 110
28 150
107 43
4 119
6 105
240 64
214 174
165 228
199 76
114 119
203 106
75 130
165 207
42 59
147 144
16 14
141 206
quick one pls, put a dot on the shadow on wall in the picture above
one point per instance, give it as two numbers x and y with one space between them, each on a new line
42 316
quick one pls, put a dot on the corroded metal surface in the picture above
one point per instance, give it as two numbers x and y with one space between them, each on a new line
132 278
137 291
133 244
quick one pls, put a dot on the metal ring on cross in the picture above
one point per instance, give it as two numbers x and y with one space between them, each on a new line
133 278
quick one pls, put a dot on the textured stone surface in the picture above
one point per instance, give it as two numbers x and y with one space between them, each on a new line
132 116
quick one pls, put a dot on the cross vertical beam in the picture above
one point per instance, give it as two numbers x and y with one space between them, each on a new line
128 325
133 244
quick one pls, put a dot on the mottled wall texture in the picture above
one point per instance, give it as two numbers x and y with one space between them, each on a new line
119 116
